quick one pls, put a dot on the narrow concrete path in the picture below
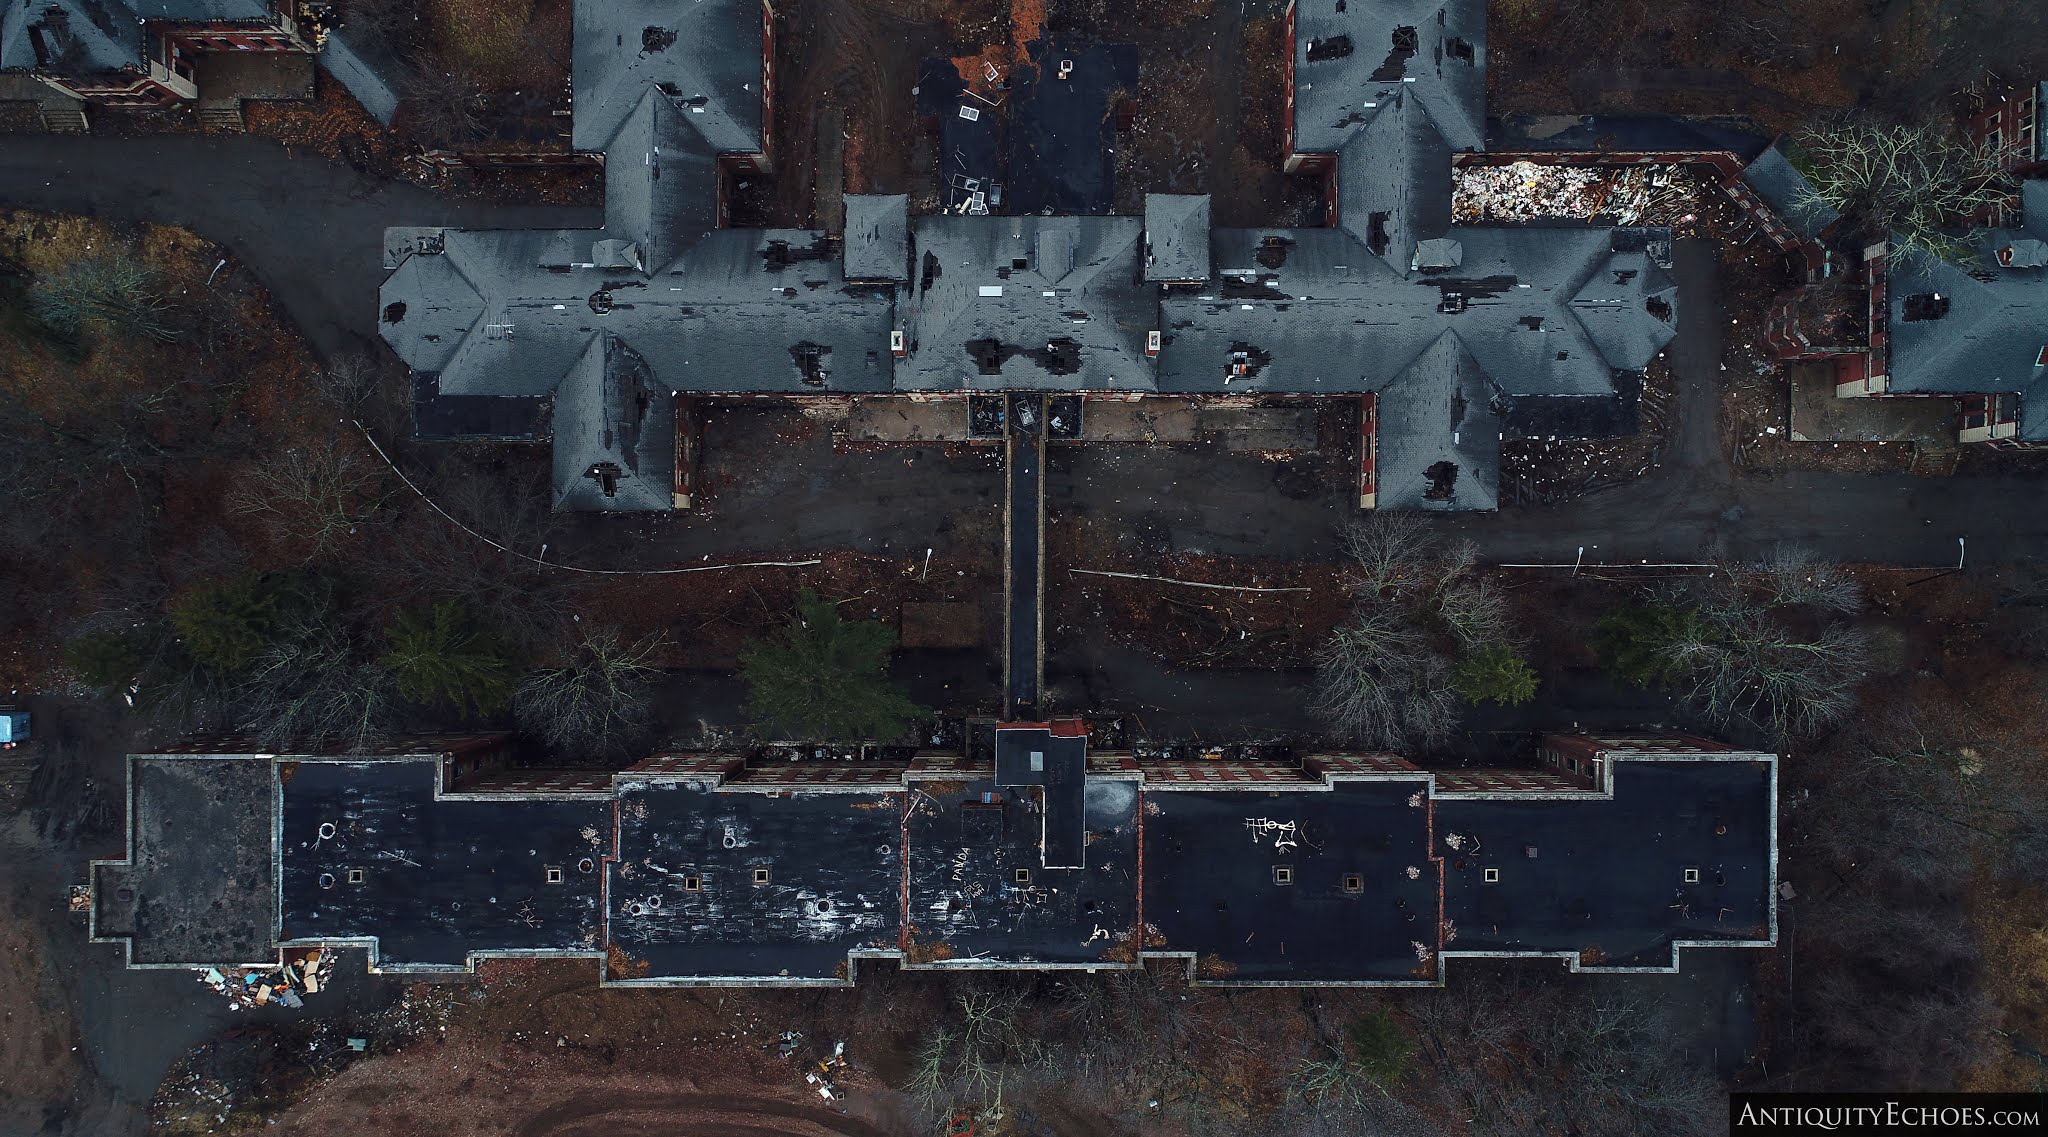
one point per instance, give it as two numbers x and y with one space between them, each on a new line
310 229
1024 558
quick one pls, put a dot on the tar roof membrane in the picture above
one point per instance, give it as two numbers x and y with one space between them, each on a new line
1213 887
198 877
833 880
687 879
981 892
1605 879
440 877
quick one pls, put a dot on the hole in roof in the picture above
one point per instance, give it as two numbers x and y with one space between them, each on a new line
1020 264
1533 323
1659 307
657 39
1402 49
1926 306
1336 47
1273 250
1376 237
606 475
1443 481
812 362
394 312
1459 49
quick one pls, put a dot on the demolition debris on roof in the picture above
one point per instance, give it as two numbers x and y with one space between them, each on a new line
1531 191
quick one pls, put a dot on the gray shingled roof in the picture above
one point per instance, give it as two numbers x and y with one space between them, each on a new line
1394 182
706 55
1176 236
1313 311
733 314
1440 423
615 429
1349 64
1788 192
1992 335
661 182
94 36
1027 302
877 236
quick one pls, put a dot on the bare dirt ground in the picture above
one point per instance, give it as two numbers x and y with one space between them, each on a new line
535 1049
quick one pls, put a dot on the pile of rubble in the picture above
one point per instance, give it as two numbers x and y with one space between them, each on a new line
790 1043
246 987
1529 191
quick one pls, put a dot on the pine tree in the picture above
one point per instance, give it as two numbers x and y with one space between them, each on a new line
825 679
1497 673
441 656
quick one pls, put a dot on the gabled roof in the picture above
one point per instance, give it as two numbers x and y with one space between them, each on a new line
1788 192
877 236
1351 57
428 307
661 182
1628 307
92 36
616 433
1394 183
1439 428
1312 311
757 311
1990 335
705 54
1027 302
1176 236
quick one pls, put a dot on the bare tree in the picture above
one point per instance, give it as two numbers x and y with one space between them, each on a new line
1915 184
313 499
112 290
1384 676
591 708
1381 680
444 105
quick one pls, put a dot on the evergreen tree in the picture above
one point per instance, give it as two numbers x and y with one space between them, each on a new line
825 679
440 656
1497 673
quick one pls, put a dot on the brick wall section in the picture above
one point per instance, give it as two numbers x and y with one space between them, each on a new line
687 765
1505 781
1324 764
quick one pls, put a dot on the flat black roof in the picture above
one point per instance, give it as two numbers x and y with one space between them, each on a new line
1607 878
197 885
978 889
440 878
833 885
1058 766
1362 878
1213 886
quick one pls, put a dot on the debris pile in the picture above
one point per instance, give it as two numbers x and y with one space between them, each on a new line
246 987
789 1043
1529 191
